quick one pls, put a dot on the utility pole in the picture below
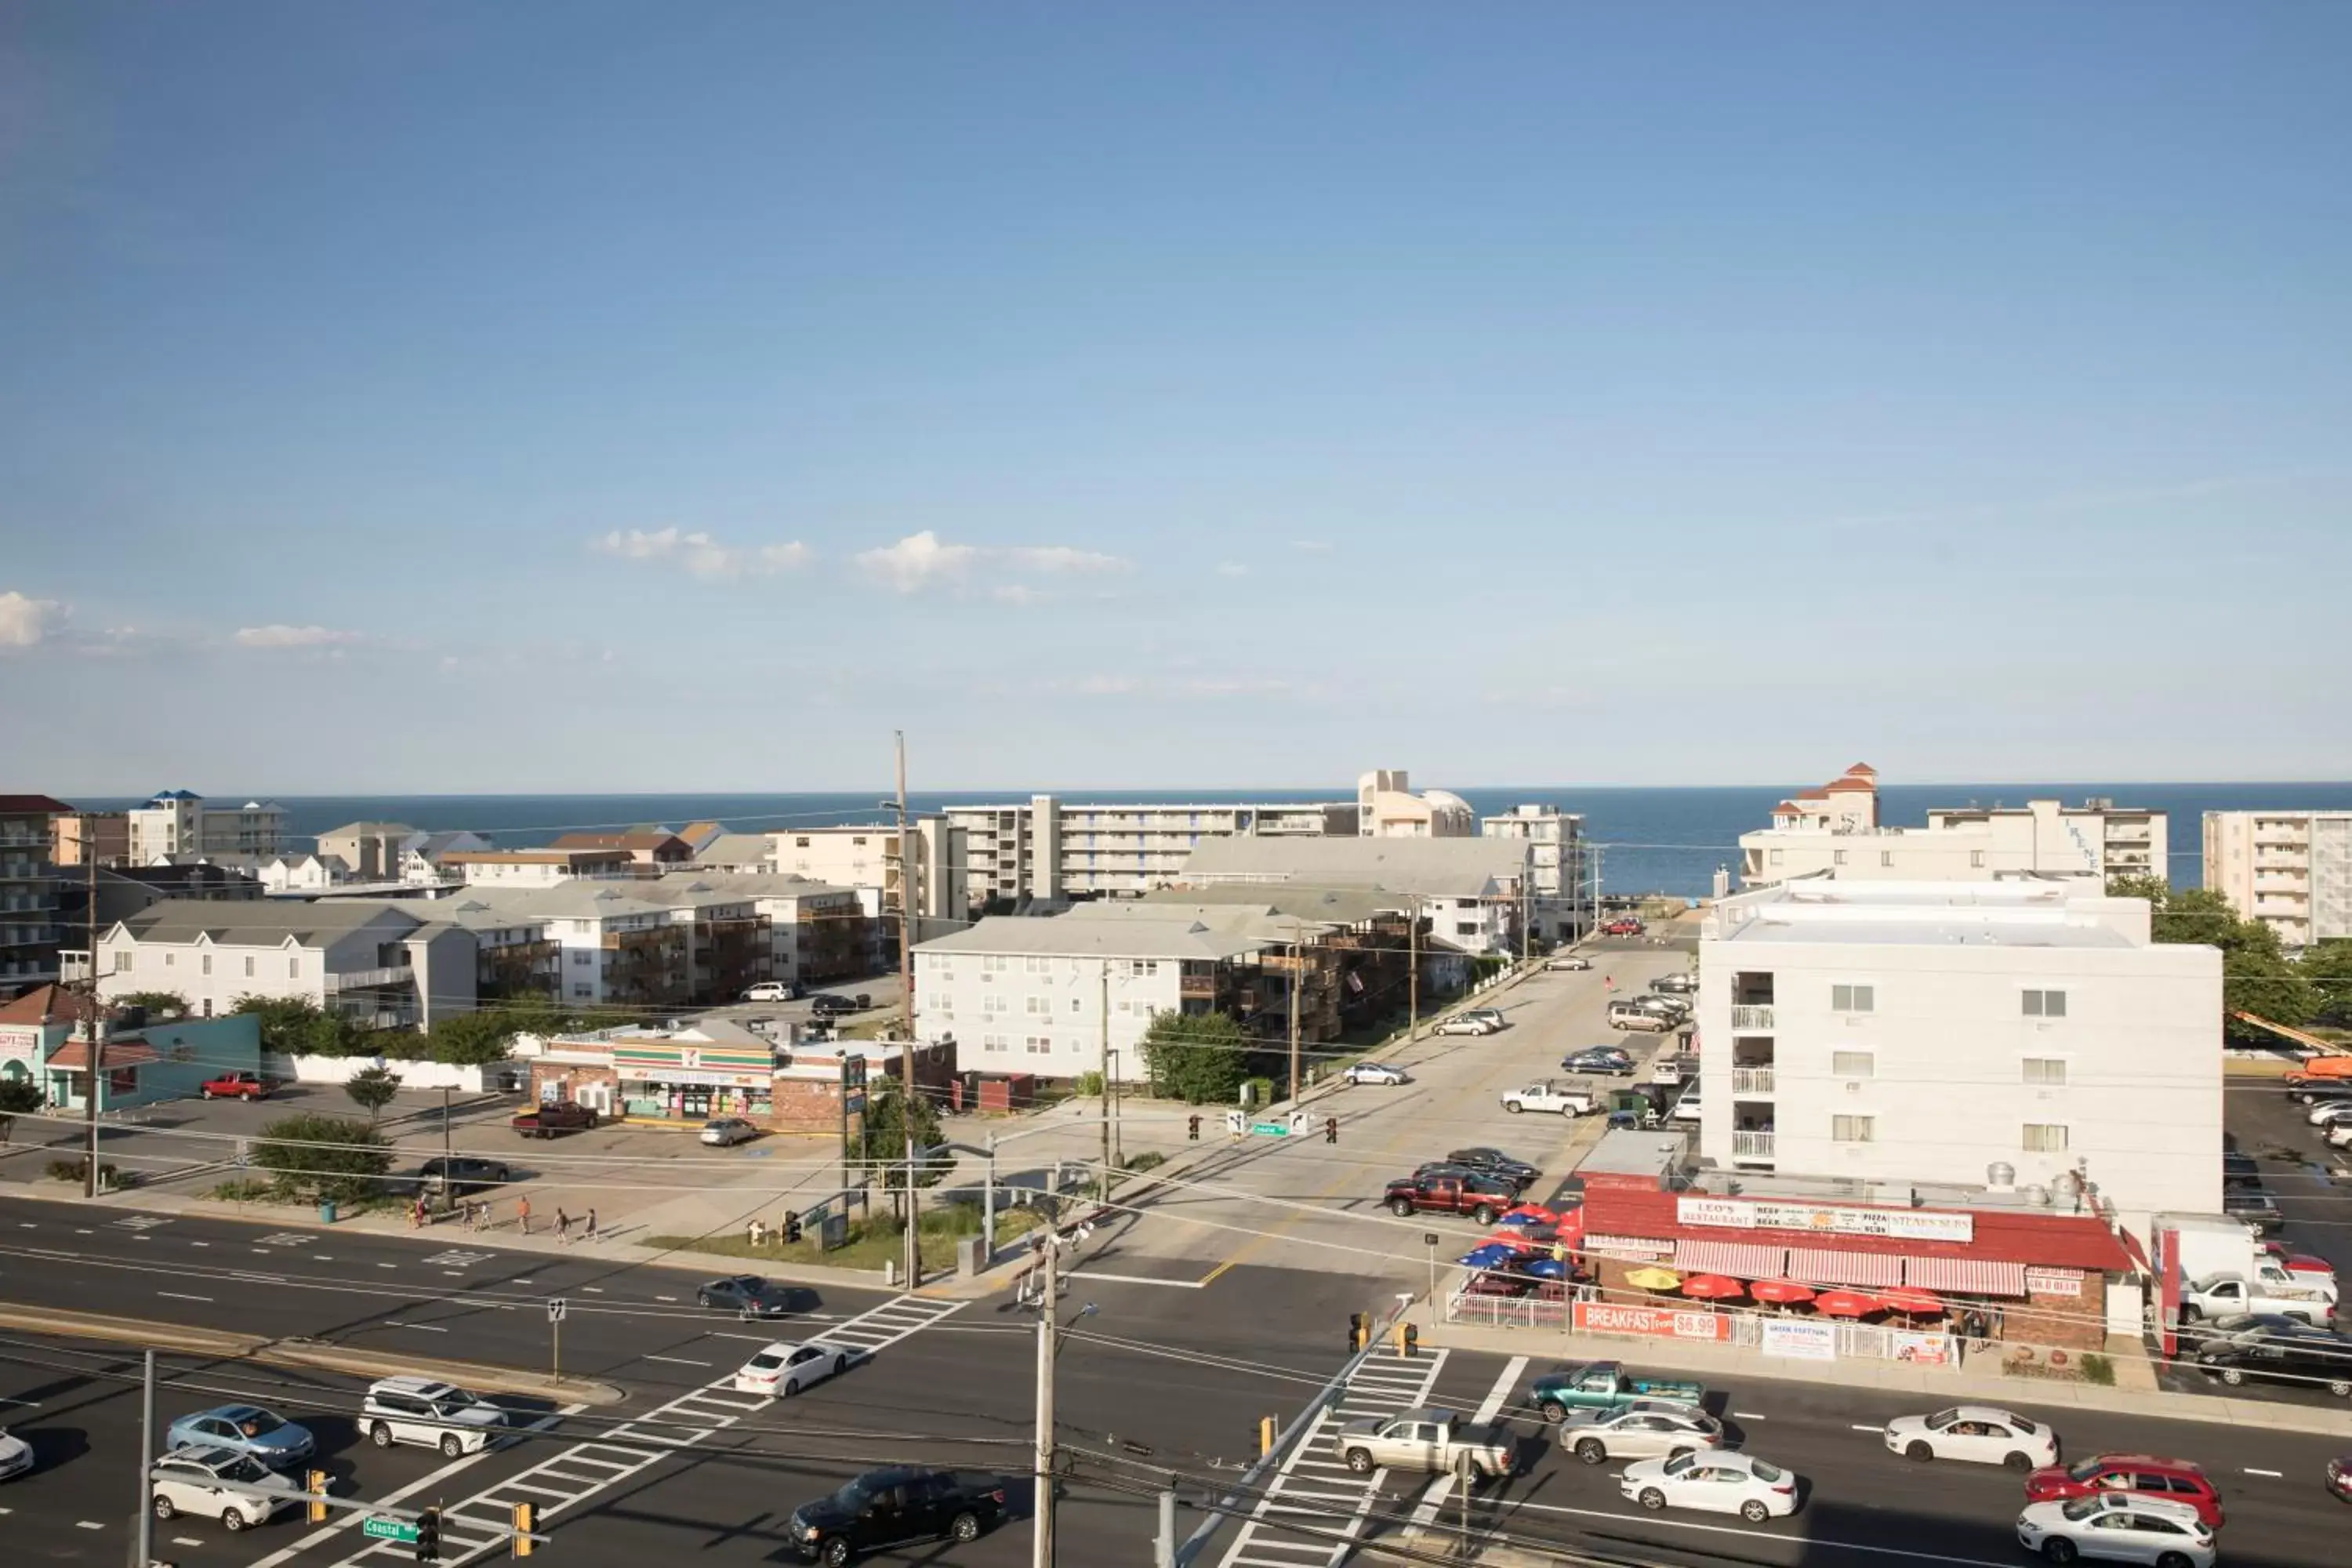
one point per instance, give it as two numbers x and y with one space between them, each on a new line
1297 974
1413 969
906 996
1104 1108
146 1453
93 1013
448 1167
1592 923
1041 1540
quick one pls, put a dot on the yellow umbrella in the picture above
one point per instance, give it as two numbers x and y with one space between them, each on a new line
1652 1277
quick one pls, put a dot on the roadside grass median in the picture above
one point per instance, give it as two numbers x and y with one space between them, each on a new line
871 1243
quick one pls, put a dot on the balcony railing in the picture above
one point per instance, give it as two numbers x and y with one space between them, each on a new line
1751 1017
1751 1080
1751 1145
361 979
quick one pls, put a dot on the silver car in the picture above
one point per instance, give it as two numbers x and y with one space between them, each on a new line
1645 1429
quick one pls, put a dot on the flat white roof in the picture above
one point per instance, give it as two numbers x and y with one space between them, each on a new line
2019 912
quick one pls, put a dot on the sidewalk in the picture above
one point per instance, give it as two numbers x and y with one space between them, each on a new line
1729 1363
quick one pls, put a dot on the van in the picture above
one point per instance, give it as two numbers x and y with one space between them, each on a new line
1634 1016
429 1413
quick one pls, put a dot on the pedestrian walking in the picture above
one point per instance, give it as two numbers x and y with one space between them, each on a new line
562 1226
1609 983
417 1212
522 1214
588 1232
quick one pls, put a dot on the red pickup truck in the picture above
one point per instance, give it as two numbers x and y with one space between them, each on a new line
1481 1196
237 1085
554 1116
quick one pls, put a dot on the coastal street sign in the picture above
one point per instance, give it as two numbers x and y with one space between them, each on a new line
379 1529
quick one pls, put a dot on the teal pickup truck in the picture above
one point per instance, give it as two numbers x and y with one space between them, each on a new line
1605 1385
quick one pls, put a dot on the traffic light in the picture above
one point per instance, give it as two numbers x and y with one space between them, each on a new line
1330 1129
1193 1126
315 1483
428 1536
1359 1331
523 1517
1408 1339
792 1224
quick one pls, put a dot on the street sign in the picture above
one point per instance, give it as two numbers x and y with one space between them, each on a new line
1235 1123
556 1307
1271 1129
854 1105
380 1529
244 1153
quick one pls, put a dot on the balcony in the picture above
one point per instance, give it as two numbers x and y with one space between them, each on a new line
1752 1018
361 979
1752 1145
1751 1080
1201 986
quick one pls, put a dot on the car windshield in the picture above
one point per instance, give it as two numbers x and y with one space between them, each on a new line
1769 1475
2024 1426
854 1496
2087 1468
458 1399
258 1423
244 1468
2083 1508
1942 1418
766 1360
1679 1463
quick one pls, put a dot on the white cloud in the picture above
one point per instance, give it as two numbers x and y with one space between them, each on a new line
924 560
701 554
1312 546
1020 593
291 636
1231 569
24 622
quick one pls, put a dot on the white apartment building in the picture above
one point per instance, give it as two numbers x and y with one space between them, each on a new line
178 822
302 873
1472 891
1051 848
1022 994
1559 894
1835 831
865 854
2025 1033
1386 807
384 963
2292 871
537 868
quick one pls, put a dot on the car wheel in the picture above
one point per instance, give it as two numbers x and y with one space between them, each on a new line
1361 1461
1484 1214
966 1527
380 1435
838 1551
1919 1450
232 1521
1653 1499
203 1094
2233 1375
2058 1549
1552 1413
164 1509
451 1446
1402 1208
1754 1511
792 1386
1592 1451
2019 1462
2173 1560
702 1298
2341 1388
1513 1106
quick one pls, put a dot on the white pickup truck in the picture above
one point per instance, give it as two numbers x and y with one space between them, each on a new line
1546 1095
2273 1292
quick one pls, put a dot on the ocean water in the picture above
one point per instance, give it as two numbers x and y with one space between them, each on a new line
1654 840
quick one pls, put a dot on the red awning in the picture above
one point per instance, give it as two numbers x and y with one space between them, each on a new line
1828 1265
120 1055
1743 1259
1967 1276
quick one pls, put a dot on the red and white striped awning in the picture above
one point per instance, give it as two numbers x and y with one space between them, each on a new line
1965 1276
1824 1266
1741 1259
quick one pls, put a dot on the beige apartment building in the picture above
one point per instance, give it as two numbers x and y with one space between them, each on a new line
2292 871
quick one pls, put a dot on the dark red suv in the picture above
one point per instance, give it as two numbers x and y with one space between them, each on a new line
2143 1474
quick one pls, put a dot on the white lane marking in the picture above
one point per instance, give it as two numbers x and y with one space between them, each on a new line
427 1328
78 1231
87 1523
186 1540
1439 1489
2274 1474
594 1290
665 1298
323 1257
29 1225
387 1266
1137 1279
176 1296
1858 1427
1809 1543
191 1244
522 1278
27 1404
421 1483
1746 1415
675 1359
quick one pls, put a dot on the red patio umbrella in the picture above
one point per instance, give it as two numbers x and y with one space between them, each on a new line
1572 1229
1846 1304
1711 1287
1785 1291
1912 1301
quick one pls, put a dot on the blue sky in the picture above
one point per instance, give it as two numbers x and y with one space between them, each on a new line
594 396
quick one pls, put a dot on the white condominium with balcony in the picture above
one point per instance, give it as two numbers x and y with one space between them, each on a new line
1561 897
2025 1033
180 822
2292 871
1053 848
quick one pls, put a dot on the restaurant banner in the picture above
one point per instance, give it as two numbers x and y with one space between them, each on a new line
1656 1323
1745 1214
1923 1350
1800 1339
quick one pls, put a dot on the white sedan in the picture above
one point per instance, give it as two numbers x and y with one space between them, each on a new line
783 1370
1463 1025
2328 1113
236 1489
1644 1429
1375 1072
2122 1527
1716 1481
16 1456
1984 1433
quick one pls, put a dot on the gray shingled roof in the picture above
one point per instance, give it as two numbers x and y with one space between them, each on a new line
1432 867
253 922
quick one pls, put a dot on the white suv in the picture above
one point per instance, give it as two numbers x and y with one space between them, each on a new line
434 1415
219 1483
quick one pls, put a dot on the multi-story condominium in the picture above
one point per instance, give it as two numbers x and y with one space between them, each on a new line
866 856
423 856
1471 892
536 867
632 943
1386 807
2292 871
820 932
1559 899
370 851
388 964
297 874
78 837
653 849
2023 1033
1835 831
29 933
178 822
1051 849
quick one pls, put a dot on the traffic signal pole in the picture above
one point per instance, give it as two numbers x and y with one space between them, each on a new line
146 1452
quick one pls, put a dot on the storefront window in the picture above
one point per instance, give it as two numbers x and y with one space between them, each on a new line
695 1101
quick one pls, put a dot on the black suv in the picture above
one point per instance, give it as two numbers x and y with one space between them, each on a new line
2315 1358
2240 1170
1606 1061
1496 1163
826 1003
2253 1205
882 1508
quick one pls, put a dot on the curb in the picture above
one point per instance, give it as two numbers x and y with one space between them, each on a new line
321 1356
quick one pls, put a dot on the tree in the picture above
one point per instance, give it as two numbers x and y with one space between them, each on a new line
887 1124
295 1026
1199 1058
372 1090
18 1097
2327 965
2255 974
153 1001
315 1157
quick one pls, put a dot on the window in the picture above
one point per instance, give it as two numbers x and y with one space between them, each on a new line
1039 1045
122 962
1976 858
994 964
1854 1064
580 958
2045 1070
995 1003
1075 1005
1776 857
1887 857
1837 857
2045 1004
294 968
1853 998
208 963
799 843
2045 1137
1465 928
1853 1130
991 1042
1036 964
584 992
168 959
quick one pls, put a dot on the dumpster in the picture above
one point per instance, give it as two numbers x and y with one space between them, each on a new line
326 1211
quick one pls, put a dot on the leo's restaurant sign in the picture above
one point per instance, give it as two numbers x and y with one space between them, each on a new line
1746 1214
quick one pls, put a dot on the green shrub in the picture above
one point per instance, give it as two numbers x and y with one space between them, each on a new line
245 1192
1090 1084
2098 1369
311 1157
1261 1091
1149 1160
78 1172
